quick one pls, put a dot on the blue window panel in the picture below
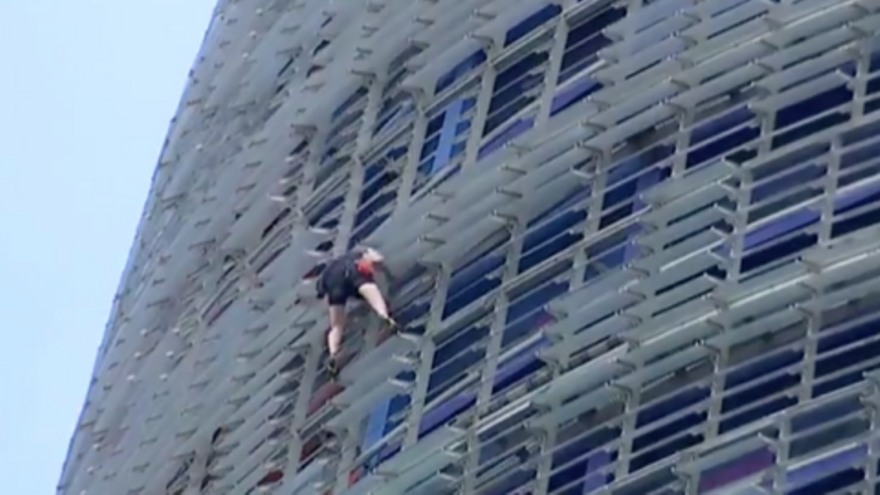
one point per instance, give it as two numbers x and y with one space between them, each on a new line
376 425
398 404
873 86
562 205
330 223
807 109
348 103
874 66
846 359
368 210
366 229
512 90
469 294
455 355
397 152
539 234
610 253
808 480
742 399
856 199
413 312
670 449
727 121
860 155
573 94
757 371
585 41
372 171
531 23
512 131
592 442
325 209
737 469
374 187
667 431
762 367
464 67
548 249
625 179
401 112
444 378
723 145
329 153
434 125
425 167
468 275
464 281
338 132
826 413
524 364
430 147
865 196
757 413
834 384
779 228
803 110
645 182
384 120
506 79
671 405
443 413
860 221
761 258
794 222
524 317
872 106
395 103
522 476
446 140
594 476
510 101
453 345
457 149
786 181
847 333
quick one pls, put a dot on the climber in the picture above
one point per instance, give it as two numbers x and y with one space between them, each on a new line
346 277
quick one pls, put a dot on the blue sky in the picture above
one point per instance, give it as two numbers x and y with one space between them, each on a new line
87 89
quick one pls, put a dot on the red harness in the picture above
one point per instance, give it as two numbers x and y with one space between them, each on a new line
365 267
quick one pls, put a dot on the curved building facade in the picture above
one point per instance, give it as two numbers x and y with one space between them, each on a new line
634 244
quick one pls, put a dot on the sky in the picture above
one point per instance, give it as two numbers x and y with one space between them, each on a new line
87 90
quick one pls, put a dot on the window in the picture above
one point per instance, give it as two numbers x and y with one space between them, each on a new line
531 23
585 39
516 87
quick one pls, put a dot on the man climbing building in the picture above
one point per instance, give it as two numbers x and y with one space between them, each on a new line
350 276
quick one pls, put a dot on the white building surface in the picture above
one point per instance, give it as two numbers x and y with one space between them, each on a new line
635 245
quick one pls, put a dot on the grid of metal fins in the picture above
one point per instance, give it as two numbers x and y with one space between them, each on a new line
634 244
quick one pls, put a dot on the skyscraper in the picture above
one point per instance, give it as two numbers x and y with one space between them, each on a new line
634 246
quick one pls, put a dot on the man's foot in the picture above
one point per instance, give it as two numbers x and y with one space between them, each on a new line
392 324
333 368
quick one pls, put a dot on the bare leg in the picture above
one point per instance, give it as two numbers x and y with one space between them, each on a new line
371 293
337 327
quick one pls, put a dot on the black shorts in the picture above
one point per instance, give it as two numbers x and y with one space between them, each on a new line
340 282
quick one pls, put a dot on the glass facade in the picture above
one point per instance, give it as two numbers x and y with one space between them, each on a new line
634 246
